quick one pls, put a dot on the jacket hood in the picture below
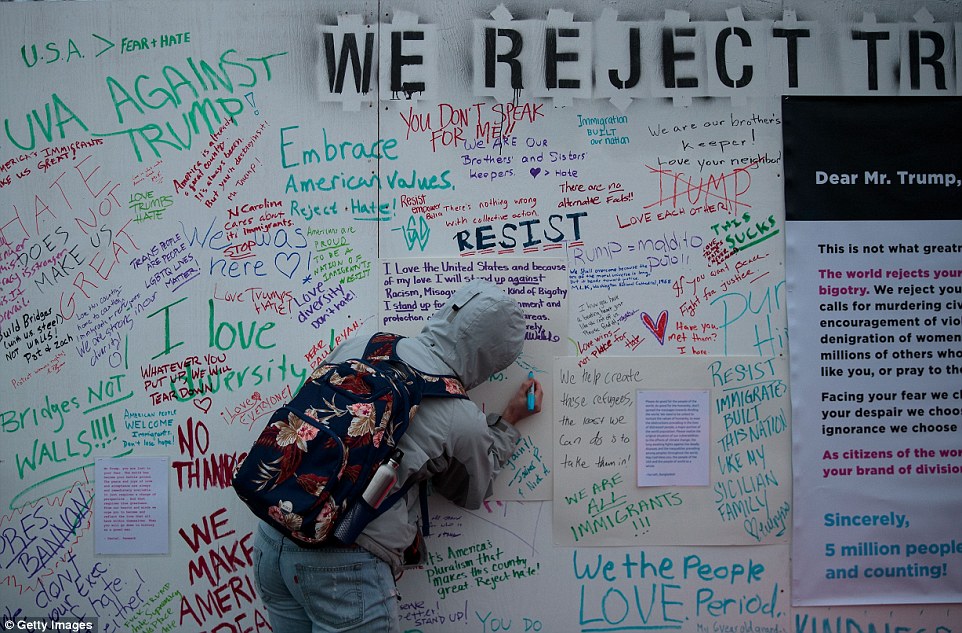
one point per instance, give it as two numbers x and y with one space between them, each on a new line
479 331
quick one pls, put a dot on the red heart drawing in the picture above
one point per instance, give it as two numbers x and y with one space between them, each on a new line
203 403
657 329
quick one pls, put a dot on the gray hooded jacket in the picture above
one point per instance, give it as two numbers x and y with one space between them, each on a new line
478 332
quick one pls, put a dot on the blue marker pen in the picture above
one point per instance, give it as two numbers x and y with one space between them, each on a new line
531 392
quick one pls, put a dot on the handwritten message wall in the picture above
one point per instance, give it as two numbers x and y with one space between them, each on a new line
413 289
196 199
497 566
597 500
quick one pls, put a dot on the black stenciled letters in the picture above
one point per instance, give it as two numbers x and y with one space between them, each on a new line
335 76
871 39
510 58
634 62
552 57
720 45
791 42
916 60
398 60
669 56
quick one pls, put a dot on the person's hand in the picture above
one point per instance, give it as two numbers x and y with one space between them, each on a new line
517 407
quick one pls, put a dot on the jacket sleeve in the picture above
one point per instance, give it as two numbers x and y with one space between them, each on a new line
478 452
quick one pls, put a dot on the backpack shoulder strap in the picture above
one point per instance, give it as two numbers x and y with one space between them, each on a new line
383 347
393 498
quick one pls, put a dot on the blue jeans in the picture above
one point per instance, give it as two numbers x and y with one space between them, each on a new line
323 590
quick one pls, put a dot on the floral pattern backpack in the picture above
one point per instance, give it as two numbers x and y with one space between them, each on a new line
311 463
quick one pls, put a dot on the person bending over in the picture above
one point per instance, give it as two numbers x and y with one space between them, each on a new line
478 332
